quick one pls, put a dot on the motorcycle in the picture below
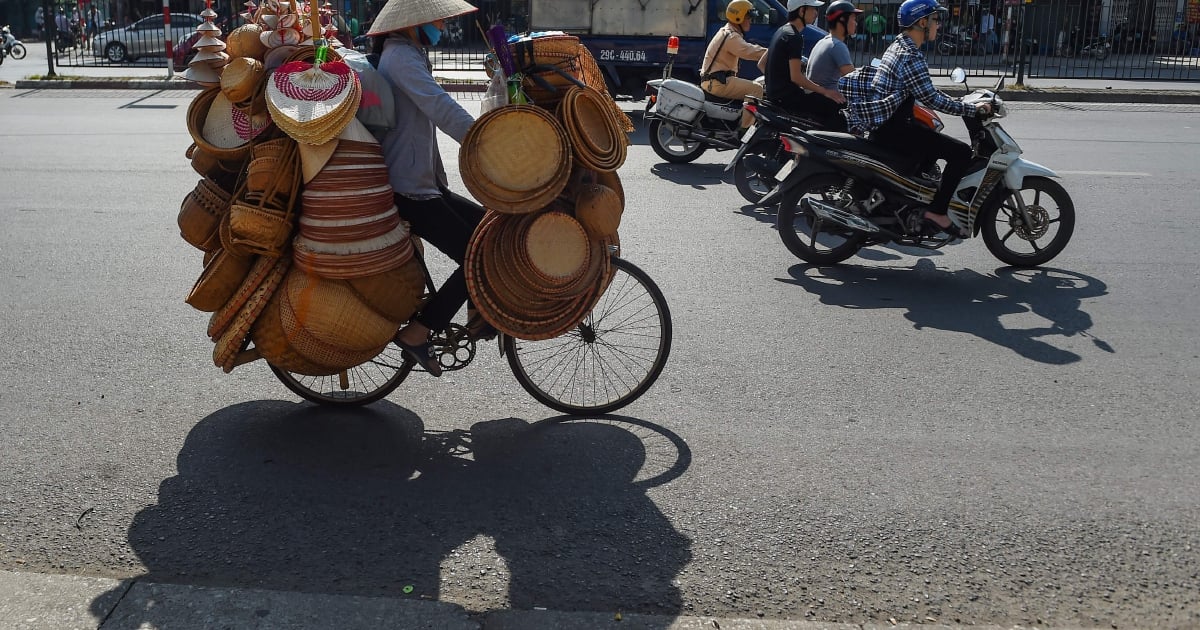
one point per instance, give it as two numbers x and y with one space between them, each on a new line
959 43
761 154
1097 47
841 193
685 121
11 46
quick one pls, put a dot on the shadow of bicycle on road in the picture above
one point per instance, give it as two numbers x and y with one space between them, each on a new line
969 302
506 515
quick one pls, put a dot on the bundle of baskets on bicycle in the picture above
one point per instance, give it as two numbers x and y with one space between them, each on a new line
308 265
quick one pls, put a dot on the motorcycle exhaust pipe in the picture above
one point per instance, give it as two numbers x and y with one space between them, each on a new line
689 134
839 216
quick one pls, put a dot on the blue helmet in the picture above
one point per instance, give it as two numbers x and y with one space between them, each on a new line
913 10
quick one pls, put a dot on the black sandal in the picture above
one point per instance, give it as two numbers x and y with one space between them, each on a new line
423 355
929 227
479 328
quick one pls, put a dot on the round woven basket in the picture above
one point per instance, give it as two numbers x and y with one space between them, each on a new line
395 294
596 139
327 324
224 173
556 246
272 343
598 209
515 159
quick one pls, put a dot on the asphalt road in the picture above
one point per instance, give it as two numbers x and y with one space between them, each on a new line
899 437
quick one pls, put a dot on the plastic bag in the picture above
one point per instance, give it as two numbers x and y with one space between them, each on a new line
497 92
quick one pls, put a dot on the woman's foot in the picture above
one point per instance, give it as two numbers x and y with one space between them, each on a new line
414 341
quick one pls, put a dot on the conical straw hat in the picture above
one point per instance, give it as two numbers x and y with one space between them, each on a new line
401 14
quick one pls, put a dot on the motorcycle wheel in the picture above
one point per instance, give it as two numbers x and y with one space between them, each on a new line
17 52
1052 221
754 186
670 147
807 236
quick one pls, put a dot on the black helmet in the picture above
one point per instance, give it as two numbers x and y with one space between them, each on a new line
839 9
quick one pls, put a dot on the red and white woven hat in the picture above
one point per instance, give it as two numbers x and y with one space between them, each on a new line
227 127
313 104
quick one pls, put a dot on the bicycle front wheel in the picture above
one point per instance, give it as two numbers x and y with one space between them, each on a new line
362 384
610 359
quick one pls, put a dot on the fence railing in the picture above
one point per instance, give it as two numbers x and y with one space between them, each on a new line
1081 39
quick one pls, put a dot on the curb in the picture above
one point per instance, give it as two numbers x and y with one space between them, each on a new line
450 85
1061 95
33 601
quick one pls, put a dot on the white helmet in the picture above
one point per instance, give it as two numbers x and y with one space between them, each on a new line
792 5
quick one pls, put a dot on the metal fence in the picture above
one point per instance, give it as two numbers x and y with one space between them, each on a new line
1082 39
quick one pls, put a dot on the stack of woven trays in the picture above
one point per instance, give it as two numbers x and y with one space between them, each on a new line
307 263
540 259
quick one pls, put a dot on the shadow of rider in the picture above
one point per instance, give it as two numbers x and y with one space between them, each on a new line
293 497
967 301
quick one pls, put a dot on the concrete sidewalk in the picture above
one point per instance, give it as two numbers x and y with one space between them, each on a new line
35 601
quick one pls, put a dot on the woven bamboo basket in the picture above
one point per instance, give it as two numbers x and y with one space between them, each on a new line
228 351
200 215
327 324
220 279
515 159
598 209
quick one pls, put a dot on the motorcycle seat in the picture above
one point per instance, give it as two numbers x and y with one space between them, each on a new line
728 102
851 142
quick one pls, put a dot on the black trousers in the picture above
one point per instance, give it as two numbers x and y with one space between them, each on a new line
447 223
817 107
902 136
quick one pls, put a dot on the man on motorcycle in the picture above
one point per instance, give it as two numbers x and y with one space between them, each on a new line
884 108
787 83
718 73
830 58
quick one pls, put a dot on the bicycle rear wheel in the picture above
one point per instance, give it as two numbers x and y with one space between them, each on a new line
359 385
610 359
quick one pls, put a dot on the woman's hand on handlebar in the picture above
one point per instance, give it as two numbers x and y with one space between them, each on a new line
983 110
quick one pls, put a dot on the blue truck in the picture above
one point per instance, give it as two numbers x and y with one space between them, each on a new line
628 38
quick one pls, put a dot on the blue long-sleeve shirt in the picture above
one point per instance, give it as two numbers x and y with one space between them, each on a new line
873 98
422 107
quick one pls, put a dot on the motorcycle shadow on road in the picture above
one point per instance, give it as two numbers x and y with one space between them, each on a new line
969 302
506 515
697 176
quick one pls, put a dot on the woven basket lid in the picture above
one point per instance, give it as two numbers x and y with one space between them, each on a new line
556 245
330 316
515 158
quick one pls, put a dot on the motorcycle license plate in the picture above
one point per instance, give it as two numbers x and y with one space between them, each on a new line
746 137
783 172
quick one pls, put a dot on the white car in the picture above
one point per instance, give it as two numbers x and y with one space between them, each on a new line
143 38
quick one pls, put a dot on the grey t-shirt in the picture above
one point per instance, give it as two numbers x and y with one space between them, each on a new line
826 61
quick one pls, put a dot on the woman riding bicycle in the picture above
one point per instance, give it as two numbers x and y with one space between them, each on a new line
404 30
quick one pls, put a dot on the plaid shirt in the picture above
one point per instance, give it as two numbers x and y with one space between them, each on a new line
873 94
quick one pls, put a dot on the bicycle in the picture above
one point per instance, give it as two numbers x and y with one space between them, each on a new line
604 363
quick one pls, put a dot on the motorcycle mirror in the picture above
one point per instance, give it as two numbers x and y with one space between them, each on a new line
958 75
